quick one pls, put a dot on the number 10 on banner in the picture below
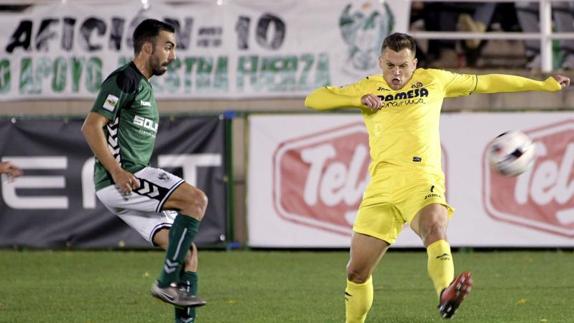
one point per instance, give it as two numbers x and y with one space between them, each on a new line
263 37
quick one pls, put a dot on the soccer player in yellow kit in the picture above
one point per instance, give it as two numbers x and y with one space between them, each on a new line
401 110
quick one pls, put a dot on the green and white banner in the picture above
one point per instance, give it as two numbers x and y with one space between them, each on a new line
226 49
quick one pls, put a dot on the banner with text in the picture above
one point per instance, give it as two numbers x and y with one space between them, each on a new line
53 205
240 48
307 174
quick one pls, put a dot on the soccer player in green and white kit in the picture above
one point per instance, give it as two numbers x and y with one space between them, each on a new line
121 130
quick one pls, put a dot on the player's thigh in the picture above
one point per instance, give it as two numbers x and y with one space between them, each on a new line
425 206
375 229
365 254
142 209
155 187
382 221
148 224
158 185
431 215
421 191
185 197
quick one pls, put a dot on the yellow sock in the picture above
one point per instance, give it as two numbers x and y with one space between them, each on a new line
358 300
440 265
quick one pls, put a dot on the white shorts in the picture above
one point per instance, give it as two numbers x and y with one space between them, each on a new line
142 209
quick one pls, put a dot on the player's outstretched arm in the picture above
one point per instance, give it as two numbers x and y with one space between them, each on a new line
92 129
327 98
497 83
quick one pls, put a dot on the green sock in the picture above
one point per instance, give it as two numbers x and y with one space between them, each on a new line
181 234
187 315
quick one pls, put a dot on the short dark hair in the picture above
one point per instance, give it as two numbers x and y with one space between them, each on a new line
147 30
399 41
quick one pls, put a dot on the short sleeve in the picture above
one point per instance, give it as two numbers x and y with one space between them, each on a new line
111 98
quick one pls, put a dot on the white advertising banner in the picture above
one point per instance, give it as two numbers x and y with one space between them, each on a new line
307 174
226 49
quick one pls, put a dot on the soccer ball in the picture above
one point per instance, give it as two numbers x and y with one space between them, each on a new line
511 153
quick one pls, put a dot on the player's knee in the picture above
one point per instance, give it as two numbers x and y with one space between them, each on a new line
357 276
195 204
439 225
435 230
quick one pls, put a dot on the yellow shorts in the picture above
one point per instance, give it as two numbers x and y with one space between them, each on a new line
392 201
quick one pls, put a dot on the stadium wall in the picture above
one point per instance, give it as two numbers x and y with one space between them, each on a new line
239 129
305 182
55 107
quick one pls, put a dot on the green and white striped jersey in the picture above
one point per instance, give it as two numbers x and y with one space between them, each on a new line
126 99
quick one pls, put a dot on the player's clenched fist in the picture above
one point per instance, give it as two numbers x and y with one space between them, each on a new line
372 102
125 181
564 81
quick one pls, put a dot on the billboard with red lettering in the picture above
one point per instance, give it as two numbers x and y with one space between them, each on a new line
542 198
307 172
318 179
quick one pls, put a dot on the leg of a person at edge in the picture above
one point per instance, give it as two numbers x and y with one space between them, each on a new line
188 277
365 254
430 224
191 204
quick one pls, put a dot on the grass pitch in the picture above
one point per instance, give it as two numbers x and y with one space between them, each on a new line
259 286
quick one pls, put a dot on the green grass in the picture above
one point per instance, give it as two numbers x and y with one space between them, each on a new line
251 287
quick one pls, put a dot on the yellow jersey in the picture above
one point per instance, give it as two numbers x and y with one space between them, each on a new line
405 131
